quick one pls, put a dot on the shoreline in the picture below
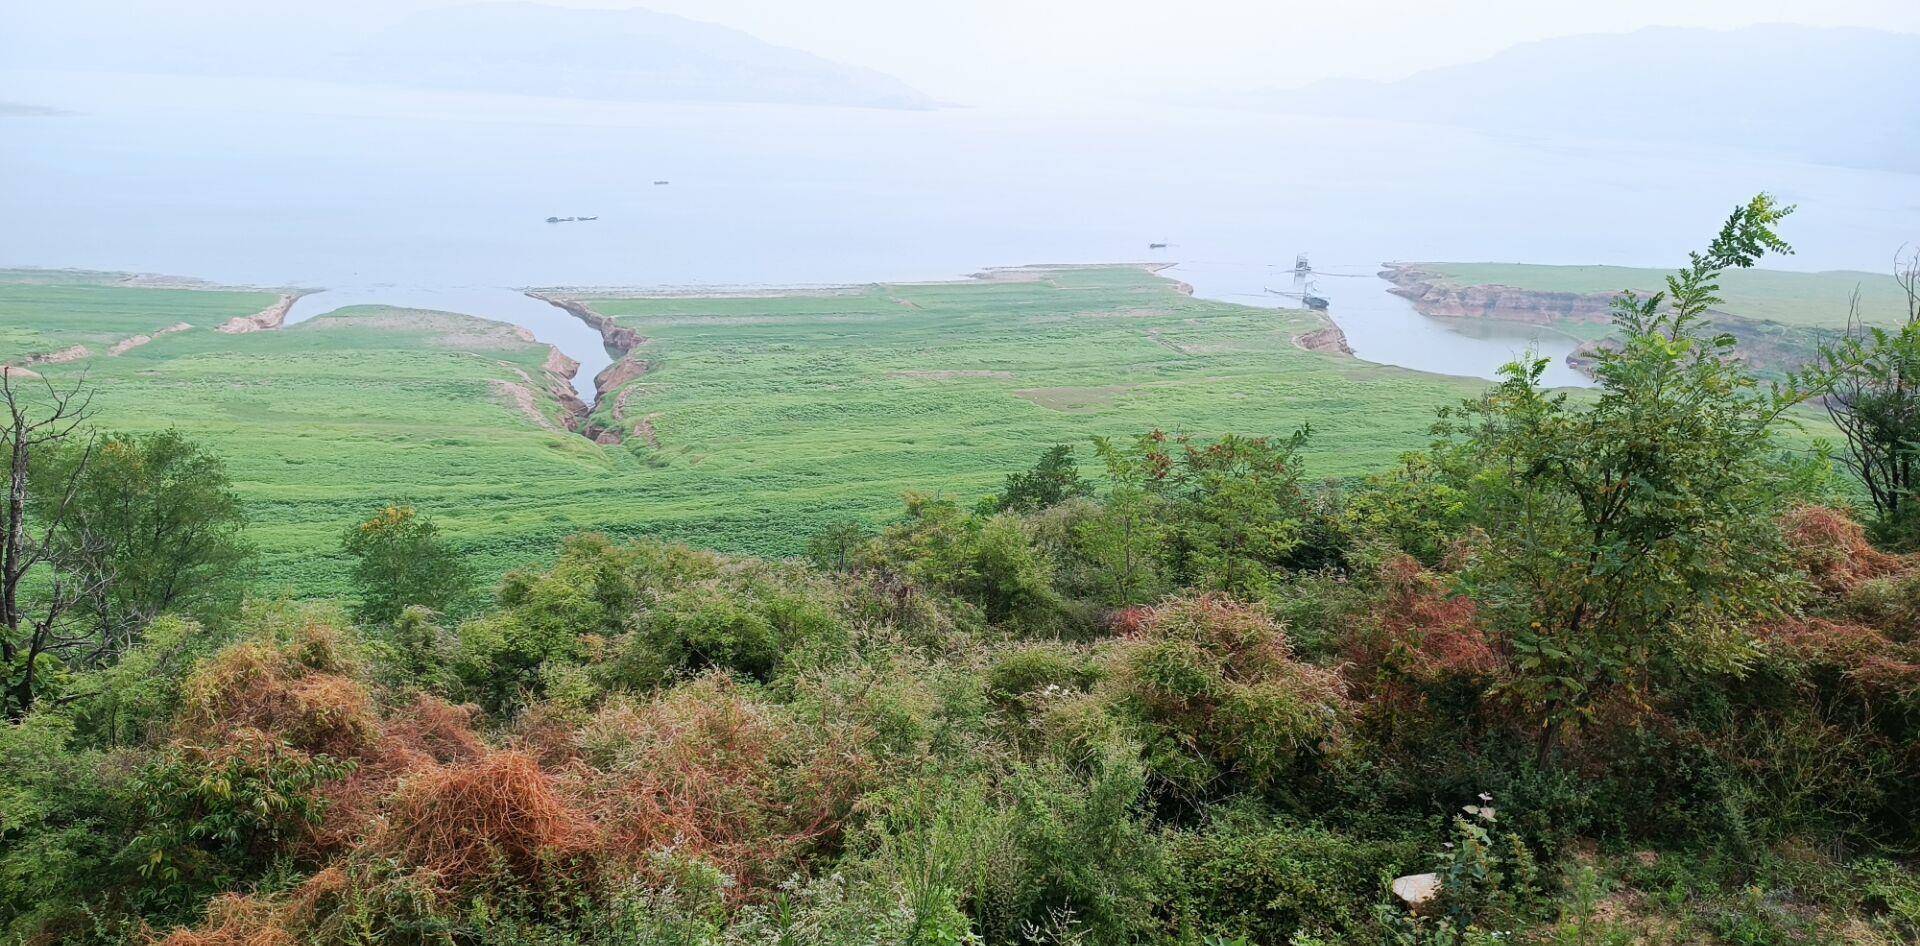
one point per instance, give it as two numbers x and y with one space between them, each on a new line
1028 272
1768 347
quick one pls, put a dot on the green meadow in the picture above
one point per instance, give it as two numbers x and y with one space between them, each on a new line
762 417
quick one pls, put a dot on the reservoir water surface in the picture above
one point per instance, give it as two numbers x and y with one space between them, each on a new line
437 200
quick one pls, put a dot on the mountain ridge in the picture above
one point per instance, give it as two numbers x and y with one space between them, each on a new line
1831 95
513 47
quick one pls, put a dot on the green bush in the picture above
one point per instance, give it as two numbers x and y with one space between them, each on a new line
1035 667
60 828
1272 882
1217 698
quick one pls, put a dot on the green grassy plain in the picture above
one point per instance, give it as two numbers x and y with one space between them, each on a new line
1802 300
772 415
46 311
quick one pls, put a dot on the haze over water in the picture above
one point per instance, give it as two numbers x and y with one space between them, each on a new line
402 197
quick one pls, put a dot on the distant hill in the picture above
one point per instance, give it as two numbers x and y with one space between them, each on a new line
506 47
17 110
1834 96
636 55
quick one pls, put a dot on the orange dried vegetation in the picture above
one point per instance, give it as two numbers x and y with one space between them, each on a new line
498 812
1833 549
426 733
294 692
708 771
1429 634
234 920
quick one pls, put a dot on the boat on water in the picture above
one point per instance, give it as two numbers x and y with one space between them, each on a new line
1303 286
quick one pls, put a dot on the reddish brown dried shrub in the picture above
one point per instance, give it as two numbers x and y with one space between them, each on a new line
499 812
426 733
1426 633
708 771
1833 549
234 920
1860 655
1129 620
296 692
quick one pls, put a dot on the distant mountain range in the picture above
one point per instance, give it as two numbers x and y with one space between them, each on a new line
16 110
1827 95
507 47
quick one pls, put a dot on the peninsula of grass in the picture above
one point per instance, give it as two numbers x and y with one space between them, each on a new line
1802 300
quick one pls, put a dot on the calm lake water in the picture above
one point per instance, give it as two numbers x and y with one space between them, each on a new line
438 200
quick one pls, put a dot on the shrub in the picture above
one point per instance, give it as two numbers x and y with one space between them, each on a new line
1029 668
707 771
991 562
1084 847
496 817
132 701
400 560
548 617
1271 883
1216 693
297 690
58 830
1890 603
214 817
1891 895
743 624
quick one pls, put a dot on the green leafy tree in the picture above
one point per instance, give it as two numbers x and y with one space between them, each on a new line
1239 513
1052 481
1874 399
150 524
1125 538
545 619
400 559
1634 536
988 560
834 547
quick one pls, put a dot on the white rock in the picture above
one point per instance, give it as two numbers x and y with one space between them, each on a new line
1416 889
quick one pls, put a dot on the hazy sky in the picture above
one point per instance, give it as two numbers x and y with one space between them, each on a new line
983 50
987 51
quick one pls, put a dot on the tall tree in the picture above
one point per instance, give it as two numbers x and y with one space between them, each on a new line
1124 538
47 419
151 525
1875 401
400 560
1633 536
1239 512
